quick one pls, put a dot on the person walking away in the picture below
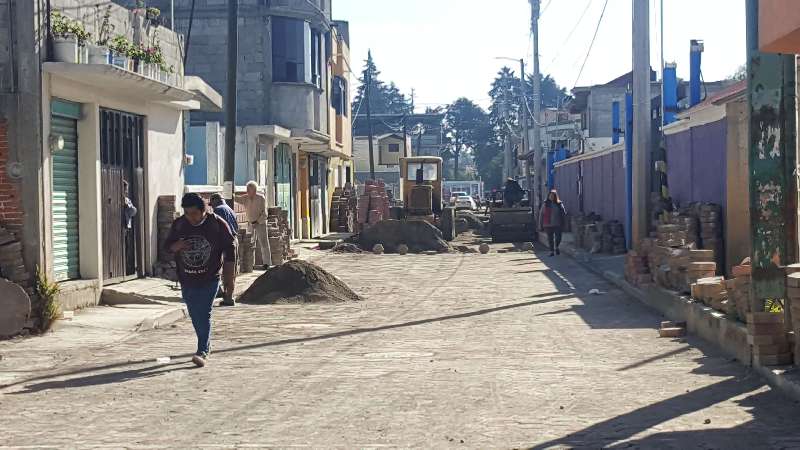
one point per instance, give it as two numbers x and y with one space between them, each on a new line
513 193
256 210
552 216
226 213
204 247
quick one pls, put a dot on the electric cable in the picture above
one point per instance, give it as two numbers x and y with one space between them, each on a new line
591 44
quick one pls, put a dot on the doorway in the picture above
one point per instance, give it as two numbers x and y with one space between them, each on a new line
122 177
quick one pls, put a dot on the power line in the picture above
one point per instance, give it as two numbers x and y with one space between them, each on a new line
591 44
547 5
569 36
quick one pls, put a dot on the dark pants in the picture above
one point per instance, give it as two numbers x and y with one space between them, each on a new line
553 237
199 300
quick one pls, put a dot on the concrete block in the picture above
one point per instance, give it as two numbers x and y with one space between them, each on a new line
764 317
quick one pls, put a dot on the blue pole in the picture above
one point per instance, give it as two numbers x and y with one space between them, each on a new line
695 61
615 122
670 94
628 167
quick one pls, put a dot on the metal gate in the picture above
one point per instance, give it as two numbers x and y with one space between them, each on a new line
64 208
122 165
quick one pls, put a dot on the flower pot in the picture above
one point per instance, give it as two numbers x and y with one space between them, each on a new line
98 54
65 49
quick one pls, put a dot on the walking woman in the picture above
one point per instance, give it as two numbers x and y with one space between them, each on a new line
551 219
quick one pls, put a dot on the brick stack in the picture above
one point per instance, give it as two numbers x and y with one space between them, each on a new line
280 235
344 209
613 238
741 291
11 213
699 270
712 291
637 271
373 205
711 229
167 213
679 231
12 266
765 332
247 253
793 300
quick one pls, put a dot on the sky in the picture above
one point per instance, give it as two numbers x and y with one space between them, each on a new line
446 49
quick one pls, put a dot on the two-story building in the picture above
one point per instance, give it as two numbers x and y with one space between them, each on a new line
293 105
84 130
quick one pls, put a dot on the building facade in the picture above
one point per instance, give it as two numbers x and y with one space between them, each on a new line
293 101
85 132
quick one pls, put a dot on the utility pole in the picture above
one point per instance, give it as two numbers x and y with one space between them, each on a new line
230 101
507 141
537 104
523 118
773 166
368 92
642 131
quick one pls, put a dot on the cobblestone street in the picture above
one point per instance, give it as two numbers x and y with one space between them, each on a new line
467 351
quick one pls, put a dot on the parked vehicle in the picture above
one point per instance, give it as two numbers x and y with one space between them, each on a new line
454 196
466 202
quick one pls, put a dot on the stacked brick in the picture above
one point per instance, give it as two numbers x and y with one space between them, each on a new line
711 229
740 294
613 238
247 254
344 209
280 236
637 270
12 266
167 213
793 300
677 230
712 291
373 205
767 336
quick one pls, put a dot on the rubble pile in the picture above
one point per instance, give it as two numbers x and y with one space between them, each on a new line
298 282
418 235
373 205
344 209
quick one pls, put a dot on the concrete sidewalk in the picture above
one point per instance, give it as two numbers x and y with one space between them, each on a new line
712 326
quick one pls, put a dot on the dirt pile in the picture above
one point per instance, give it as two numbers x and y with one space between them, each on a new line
419 236
298 282
345 247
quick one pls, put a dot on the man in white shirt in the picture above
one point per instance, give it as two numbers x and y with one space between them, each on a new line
256 211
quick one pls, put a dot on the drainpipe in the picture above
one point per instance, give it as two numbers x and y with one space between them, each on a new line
615 130
695 60
628 167
670 81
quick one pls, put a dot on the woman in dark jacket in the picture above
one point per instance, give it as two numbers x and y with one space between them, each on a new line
551 219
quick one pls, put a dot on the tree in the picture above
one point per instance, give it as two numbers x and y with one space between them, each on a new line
385 99
466 127
740 74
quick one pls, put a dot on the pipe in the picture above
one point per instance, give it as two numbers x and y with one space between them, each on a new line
628 168
695 61
670 80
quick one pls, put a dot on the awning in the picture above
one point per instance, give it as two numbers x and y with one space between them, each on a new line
210 100
124 82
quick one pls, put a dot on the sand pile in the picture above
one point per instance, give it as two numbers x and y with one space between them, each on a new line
417 235
298 282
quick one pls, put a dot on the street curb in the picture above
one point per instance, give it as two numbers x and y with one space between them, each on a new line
705 323
163 319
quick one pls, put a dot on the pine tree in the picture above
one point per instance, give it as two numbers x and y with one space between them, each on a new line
385 99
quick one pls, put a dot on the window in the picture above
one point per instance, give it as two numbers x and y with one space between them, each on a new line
291 53
340 98
316 58
425 171
394 148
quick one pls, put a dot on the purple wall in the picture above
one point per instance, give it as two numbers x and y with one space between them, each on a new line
603 186
696 164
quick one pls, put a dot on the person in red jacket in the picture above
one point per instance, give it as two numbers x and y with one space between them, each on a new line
552 217
204 247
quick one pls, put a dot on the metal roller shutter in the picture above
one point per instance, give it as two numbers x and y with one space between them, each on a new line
66 262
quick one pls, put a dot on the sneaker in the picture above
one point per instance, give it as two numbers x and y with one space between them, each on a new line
228 302
199 360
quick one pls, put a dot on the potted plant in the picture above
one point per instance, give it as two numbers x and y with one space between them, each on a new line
100 53
121 48
69 39
153 15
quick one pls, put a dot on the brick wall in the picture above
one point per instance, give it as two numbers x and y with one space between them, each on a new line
10 201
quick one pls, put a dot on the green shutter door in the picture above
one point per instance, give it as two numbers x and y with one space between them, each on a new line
66 262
